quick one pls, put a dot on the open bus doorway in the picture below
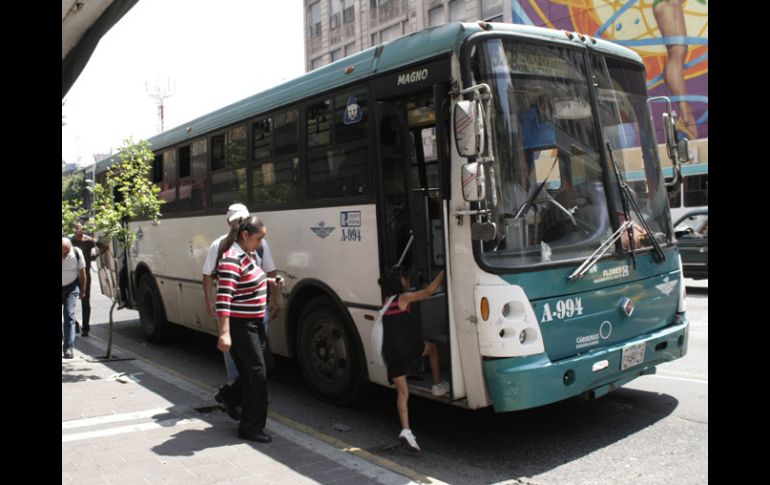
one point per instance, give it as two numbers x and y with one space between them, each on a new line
409 159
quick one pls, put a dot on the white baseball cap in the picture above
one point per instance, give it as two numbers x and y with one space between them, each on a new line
237 211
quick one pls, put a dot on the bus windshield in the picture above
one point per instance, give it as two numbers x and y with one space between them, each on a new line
548 177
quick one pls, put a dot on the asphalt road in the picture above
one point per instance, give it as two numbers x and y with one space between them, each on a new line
652 431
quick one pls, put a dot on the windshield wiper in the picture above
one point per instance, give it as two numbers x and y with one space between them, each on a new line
594 257
627 199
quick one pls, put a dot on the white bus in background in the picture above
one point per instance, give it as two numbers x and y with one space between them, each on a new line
692 194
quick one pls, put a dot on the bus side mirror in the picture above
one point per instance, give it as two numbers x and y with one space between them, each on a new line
468 122
474 181
668 131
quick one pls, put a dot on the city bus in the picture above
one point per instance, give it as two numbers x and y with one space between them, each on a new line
495 152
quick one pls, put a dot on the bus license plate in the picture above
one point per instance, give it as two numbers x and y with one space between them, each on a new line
632 355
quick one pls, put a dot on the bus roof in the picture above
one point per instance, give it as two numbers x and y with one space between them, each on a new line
404 51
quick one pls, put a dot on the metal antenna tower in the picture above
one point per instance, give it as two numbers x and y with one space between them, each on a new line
159 94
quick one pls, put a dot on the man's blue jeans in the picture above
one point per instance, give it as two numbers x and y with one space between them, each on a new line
232 370
69 298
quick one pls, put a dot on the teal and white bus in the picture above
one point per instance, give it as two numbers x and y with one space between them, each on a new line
500 151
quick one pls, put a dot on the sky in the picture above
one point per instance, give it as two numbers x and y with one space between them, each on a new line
211 54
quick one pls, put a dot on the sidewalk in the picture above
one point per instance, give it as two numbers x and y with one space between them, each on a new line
129 422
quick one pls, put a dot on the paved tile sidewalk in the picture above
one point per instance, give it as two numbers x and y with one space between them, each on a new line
129 422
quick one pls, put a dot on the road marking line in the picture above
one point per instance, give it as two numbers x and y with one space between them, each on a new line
112 418
165 423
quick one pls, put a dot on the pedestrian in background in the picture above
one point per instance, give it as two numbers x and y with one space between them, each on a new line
73 277
87 244
241 305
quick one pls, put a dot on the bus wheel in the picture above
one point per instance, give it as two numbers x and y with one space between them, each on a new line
329 354
151 312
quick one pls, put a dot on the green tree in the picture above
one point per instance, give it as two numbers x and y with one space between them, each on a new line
127 192
71 211
73 187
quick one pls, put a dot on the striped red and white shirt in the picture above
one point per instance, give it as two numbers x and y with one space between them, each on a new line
242 285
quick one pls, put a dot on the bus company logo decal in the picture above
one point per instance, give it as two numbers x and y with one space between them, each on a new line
321 230
613 273
605 330
353 112
412 77
350 222
667 286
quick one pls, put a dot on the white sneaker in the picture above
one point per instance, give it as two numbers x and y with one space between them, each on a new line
440 389
408 440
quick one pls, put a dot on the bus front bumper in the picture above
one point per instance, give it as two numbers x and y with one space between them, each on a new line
517 383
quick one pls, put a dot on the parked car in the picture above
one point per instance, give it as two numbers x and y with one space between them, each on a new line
692 232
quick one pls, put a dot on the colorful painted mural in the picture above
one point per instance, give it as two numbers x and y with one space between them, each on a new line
671 36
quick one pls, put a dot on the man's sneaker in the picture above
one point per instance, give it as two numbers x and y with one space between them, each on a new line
84 333
69 355
408 440
440 389
231 410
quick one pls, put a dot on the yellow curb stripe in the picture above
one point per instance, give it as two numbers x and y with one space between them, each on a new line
341 445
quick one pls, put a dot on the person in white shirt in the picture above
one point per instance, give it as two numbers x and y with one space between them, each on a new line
73 277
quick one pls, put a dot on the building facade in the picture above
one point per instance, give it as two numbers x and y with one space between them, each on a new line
671 36
337 28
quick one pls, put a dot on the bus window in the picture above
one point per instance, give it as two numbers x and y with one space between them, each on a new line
167 183
341 170
275 179
192 176
319 124
228 182
286 132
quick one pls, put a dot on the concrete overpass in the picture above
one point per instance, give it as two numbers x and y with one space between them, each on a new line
83 23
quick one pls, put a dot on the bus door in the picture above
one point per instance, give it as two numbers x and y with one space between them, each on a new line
411 195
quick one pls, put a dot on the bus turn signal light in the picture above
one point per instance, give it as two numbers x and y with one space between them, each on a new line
485 308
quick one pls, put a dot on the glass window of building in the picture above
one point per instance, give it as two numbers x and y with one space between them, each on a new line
350 49
315 20
337 54
335 17
391 33
436 16
492 10
348 11
316 63
457 11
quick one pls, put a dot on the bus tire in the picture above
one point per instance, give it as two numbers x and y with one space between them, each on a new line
330 354
151 312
